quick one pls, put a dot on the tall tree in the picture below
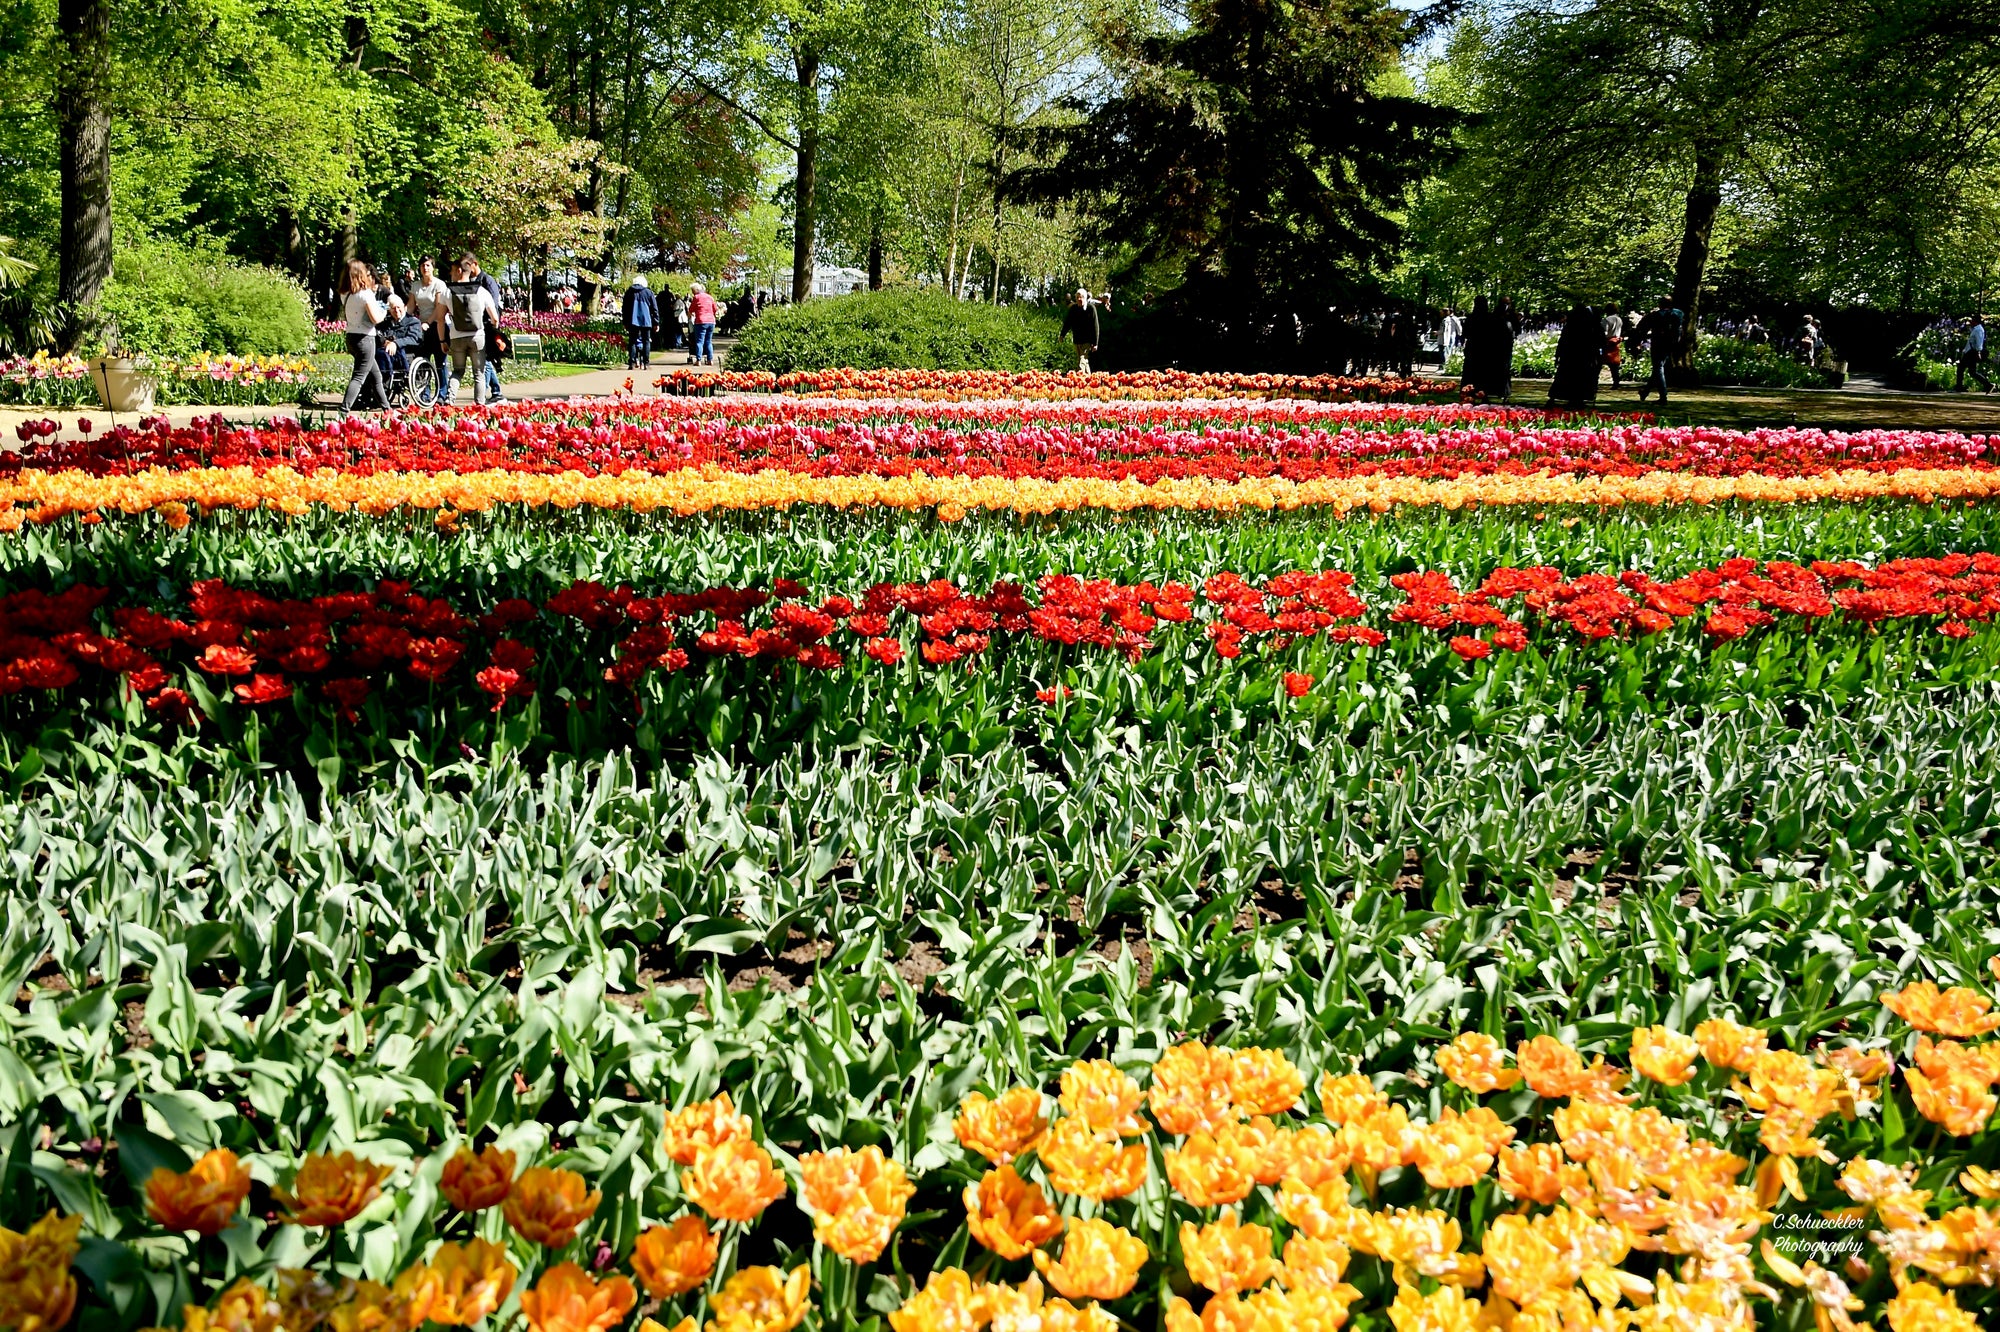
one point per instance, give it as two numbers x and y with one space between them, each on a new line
1591 114
1255 144
83 128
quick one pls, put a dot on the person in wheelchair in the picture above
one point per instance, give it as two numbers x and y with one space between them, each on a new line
408 379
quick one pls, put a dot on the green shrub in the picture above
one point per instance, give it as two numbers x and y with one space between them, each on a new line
1724 360
903 328
172 300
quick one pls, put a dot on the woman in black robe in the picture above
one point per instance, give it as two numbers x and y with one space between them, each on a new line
1489 352
1579 353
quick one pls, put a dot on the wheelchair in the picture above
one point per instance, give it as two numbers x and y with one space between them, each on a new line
409 376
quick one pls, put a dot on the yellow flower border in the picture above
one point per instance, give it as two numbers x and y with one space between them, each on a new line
47 495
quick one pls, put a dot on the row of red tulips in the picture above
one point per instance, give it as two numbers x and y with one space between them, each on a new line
352 644
1144 445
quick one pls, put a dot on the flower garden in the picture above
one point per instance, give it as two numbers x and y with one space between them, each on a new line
933 851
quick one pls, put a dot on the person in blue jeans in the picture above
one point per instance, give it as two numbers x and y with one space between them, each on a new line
1661 332
701 333
642 316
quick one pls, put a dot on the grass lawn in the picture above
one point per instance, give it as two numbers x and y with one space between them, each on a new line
1837 409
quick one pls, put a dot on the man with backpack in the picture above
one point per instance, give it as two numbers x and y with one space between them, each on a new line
494 343
464 324
642 316
1661 332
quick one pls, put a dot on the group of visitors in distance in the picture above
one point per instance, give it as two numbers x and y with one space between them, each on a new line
451 322
438 320
653 318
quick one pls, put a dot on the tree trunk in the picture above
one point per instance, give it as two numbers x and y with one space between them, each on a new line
1704 199
875 251
803 204
999 174
593 129
83 127
612 234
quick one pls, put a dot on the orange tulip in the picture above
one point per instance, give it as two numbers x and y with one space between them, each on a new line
1727 1044
547 1205
416 1289
1315 1156
1539 1173
474 1183
949 1302
1103 1097
856 1200
654 1325
303 1298
365 1306
473 1279
762 1299
331 1188
1350 1097
672 1260
1209 1172
701 1125
569 1299
1090 1164
1265 1148
1227 1257
37 1292
1477 1062
1264 1082
1313 1262
734 1181
246 1307
1665 1056
1099 1261
1001 1129
1192 1089
1958 1011
204 1199
1010 1215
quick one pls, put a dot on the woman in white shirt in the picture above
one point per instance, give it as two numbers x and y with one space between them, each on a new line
364 311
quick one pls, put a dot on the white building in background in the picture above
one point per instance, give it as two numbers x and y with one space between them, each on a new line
829 280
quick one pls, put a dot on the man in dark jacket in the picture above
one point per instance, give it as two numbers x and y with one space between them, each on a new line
642 316
1661 332
1080 327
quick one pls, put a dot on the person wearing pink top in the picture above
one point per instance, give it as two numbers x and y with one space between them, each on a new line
701 314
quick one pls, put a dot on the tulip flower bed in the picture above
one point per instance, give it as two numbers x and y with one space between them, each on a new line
1060 385
1549 1191
691 458
1203 865
680 664
206 379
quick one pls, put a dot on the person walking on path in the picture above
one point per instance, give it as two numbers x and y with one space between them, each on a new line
642 315
701 315
669 335
1614 343
1972 356
364 311
1451 335
428 298
1489 351
1080 327
472 312
1661 332
492 344
1579 356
